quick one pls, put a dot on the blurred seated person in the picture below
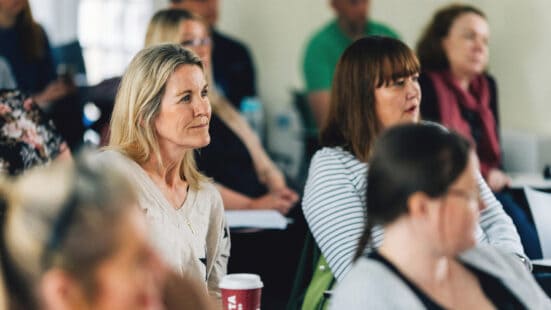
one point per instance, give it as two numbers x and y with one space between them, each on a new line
27 136
385 92
233 69
59 18
461 95
24 44
82 243
326 46
423 191
245 175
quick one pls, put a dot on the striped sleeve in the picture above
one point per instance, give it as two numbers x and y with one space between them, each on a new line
498 228
495 226
333 206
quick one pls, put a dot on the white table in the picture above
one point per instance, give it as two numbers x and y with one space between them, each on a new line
519 180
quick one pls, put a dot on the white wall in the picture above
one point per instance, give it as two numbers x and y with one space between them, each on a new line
276 31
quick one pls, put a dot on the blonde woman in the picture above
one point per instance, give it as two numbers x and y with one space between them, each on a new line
161 115
244 174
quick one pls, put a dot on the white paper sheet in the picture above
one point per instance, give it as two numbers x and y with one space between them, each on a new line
265 219
541 262
540 206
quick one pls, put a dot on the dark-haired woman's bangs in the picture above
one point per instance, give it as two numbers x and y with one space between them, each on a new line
402 63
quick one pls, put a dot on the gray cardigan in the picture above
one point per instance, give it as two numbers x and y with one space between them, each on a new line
371 285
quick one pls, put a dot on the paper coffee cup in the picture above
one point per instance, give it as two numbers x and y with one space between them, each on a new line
241 291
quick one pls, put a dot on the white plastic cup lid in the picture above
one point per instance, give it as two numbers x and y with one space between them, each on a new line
241 281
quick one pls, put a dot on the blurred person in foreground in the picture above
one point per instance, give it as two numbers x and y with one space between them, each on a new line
423 191
81 243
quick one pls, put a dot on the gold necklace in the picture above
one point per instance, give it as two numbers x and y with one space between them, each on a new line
189 225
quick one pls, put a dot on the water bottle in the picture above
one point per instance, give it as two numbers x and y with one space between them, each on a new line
252 111
284 139
91 114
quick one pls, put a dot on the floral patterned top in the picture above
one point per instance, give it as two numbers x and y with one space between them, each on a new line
27 136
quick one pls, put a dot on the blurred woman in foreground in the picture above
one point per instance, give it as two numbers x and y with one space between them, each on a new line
81 243
73 238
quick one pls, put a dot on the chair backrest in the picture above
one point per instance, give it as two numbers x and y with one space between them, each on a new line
313 279
305 270
524 151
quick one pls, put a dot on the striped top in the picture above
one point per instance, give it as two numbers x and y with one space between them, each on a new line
333 205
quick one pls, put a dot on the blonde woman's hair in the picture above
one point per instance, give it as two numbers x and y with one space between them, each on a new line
163 28
61 216
164 25
138 103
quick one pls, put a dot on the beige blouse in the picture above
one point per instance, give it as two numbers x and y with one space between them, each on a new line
194 239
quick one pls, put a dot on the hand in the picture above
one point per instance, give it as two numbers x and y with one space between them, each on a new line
277 186
275 180
287 194
54 91
281 202
497 180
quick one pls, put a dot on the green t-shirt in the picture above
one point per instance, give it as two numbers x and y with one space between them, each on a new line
325 48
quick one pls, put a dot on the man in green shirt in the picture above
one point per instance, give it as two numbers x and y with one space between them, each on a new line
326 46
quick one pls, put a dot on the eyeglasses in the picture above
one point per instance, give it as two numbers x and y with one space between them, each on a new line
196 42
